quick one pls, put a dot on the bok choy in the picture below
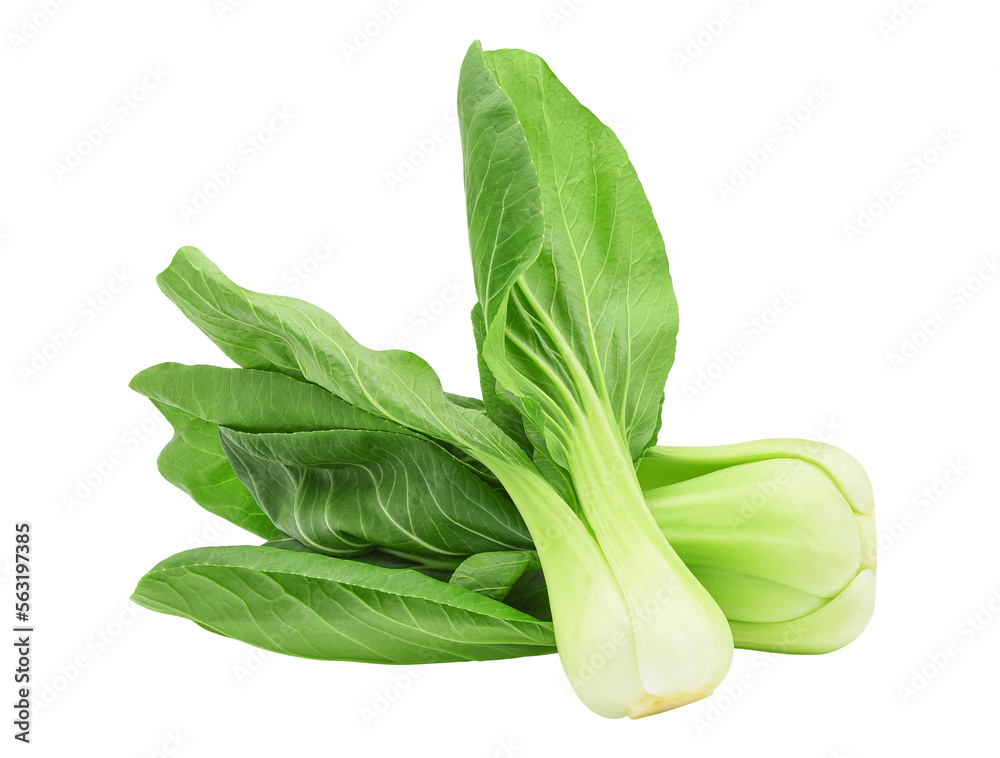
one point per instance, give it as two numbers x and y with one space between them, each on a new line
404 524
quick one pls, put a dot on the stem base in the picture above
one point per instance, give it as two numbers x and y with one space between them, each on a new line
660 704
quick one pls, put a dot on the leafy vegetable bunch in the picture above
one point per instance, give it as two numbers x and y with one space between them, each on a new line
404 524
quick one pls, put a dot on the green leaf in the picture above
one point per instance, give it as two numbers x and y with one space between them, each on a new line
497 403
289 543
197 399
344 492
298 339
493 574
315 606
195 462
252 400
588 306
503 410
529 595
374 558
502 194
472 403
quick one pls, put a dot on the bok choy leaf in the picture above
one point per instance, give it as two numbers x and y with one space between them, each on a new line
580 326
317 606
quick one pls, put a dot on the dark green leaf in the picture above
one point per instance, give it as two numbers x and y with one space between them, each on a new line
493 574
530 596
197 399
374 558
344 492
315 606
195 462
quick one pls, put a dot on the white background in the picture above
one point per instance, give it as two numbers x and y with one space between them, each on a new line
123 682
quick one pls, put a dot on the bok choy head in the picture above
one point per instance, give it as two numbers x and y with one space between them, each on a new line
578 324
